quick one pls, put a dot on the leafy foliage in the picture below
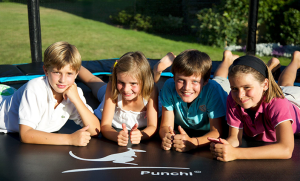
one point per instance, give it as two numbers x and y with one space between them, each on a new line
290 27
155 16
226 24
153 24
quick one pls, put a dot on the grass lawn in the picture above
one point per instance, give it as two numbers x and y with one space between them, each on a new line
94 38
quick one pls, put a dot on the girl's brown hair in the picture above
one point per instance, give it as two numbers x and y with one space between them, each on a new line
136 65
274 91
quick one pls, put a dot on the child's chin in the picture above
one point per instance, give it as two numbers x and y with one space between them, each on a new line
245 107
60 91
187 100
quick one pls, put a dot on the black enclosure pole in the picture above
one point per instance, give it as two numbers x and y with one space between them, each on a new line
252 27
34 30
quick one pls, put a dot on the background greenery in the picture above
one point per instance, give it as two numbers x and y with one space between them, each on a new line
89 29
278 22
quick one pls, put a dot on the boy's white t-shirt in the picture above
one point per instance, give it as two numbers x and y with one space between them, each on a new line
33 105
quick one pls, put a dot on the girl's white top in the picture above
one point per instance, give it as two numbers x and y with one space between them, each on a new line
130 118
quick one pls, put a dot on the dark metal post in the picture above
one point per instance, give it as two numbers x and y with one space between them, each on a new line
34 30
252 27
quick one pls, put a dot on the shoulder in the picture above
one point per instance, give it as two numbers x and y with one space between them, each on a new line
231 105
37 81
214 90
154 92
230 100
278 104
212 85
109 86
169 85
79 90
279 109
37 85
170 81
168 95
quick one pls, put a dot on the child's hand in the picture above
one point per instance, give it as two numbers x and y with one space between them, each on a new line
71 93
167 141
182 142
123 136
81 137
224 151
135 135
214 140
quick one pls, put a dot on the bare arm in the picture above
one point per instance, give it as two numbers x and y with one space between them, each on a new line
107 116
167 120
235 136
182 142
87 117
166 128
152 115
92 81
215 131
282 149
30 135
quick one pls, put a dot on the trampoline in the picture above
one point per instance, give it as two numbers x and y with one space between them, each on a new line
103 159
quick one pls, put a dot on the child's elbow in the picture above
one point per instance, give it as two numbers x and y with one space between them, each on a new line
24 139
287 153
96 132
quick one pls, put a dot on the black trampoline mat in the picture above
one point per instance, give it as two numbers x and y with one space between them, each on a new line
28 162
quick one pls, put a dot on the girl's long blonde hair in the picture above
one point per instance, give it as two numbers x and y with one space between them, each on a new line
136 65
274 91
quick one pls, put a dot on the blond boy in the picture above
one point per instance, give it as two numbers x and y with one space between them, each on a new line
43 105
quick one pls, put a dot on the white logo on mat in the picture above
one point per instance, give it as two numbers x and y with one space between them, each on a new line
124 157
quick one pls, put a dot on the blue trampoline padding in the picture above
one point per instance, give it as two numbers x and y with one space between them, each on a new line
165 74
18 78
26 72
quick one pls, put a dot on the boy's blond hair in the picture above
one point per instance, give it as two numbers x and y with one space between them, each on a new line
192 62
60 54
136 65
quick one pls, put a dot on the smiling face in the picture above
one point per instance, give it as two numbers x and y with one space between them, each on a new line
128 86
188 87
60 80
247 91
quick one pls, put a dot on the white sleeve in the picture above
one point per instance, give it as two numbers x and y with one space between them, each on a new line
30 109
75 115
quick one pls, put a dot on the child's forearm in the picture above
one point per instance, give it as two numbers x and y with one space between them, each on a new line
203 141
38 137
88 118
148 132
109 133
234 141
30 135
274 151
163 130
